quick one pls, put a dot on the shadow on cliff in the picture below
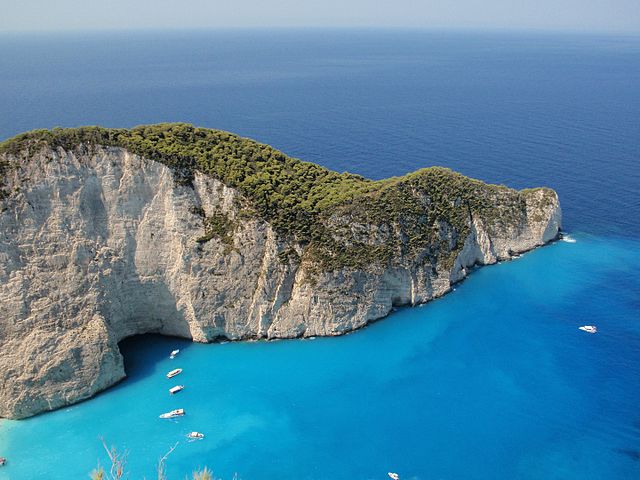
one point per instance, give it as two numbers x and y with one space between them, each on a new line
144 311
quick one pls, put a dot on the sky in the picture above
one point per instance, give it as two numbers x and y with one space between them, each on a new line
573 15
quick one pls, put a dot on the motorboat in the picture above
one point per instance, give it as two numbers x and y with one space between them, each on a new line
178 412
195 435
176 389
173 373
394 476
173 354
3 461
588 328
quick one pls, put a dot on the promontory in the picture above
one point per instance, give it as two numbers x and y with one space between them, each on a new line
202 234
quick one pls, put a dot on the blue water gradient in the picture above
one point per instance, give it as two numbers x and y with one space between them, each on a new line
493 381
523 110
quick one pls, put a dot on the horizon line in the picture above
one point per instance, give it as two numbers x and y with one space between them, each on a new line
247 28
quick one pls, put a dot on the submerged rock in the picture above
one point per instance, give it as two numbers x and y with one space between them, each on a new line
201 234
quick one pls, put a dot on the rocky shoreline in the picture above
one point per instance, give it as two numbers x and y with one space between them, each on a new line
101 244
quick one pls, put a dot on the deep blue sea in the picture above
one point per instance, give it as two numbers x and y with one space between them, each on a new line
493 381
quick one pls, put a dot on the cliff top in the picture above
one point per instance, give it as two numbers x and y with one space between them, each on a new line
298 198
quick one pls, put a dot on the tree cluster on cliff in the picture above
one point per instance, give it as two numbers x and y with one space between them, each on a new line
305 201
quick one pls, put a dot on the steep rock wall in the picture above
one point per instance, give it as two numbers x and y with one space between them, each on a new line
98 247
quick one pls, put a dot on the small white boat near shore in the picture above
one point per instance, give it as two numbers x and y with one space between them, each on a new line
173 373
195 436
173 354
394 476
176 389
178 412
588 328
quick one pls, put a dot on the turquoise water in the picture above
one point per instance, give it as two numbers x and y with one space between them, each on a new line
493 381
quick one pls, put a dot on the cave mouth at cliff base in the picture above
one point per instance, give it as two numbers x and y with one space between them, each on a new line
143 353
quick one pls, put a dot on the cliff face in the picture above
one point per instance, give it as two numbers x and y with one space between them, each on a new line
102 245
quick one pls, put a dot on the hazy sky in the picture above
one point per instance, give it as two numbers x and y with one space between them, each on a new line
586 15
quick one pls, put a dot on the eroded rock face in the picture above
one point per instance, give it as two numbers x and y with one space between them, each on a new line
98 247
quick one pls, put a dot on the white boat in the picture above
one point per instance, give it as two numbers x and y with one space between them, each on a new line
173 354
195 435
175 372
588 328
178 412
3 461
395 476
176 389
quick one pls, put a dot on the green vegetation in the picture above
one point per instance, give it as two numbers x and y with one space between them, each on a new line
4 168
283 190
218 225
331 214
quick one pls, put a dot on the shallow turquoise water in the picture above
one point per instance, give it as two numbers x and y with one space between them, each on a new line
493 381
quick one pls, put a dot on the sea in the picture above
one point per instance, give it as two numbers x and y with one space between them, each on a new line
494 380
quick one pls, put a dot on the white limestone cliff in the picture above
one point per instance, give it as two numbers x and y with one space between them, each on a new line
95 248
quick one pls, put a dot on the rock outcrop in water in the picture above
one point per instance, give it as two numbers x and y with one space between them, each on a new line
200 234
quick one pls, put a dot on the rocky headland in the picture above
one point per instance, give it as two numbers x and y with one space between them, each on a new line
201 234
